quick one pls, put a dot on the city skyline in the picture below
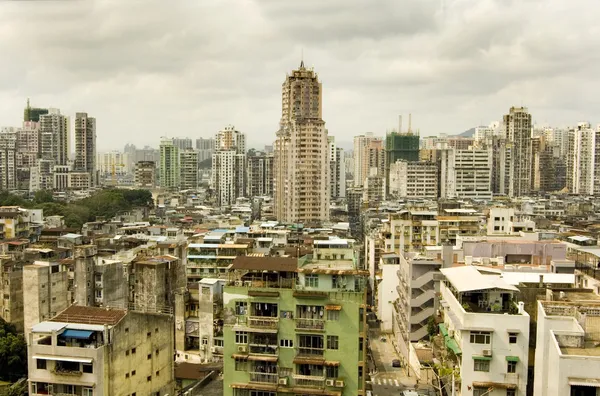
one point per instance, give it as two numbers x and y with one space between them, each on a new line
456 77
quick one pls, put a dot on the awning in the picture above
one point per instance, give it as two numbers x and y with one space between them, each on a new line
331 307
307 360
331 363
263 358
495 385
443 329
512 358
62 358
479 357
239 357
591 382
452 345
79 334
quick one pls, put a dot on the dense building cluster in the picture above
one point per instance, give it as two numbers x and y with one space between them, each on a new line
475 258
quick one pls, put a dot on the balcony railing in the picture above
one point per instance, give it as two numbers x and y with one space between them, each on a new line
310 324
261 349
304 351
72 373
264 378
263 322
309 380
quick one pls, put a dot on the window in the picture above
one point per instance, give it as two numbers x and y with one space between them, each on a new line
332 372
512 338
241 337
88 368
481 391
126 329
241 307
133 351
156 330
157 373
156 352
88 392
333 315
481 365
217 343
127 352
149 356
126 375
481 337
511 367
511 392
148 334
332 342
133 373
241 365
311 280
41 364
149 378
286 343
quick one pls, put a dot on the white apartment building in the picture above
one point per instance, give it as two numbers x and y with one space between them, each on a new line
8 159
414 179
581 159
55 133
486 331
113 163
466 174
567 353
229 166
417 285
301 169
361 157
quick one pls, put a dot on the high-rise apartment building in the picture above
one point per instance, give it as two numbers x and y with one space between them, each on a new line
8 159
337 170
113 163
466 174
28 144
229 166
205 148
301 184
260 174
581 159
188 162
517 129
169 164
54 129
361 158
85 146
145 174
183 143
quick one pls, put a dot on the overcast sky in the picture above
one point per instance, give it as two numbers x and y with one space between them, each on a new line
149 68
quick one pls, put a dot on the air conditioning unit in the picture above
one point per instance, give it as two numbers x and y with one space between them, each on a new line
339 383
329 382
202 347
213 349
243 348
283 381
487 352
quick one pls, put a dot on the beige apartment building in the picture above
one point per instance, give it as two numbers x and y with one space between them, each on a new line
301 180
99 351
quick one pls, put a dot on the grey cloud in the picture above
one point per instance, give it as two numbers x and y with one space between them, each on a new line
147 68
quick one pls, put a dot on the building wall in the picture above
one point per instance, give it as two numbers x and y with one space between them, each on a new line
46 293
151 335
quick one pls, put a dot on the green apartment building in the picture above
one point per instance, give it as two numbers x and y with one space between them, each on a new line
296 326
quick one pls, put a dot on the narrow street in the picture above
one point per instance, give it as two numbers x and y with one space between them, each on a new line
389 380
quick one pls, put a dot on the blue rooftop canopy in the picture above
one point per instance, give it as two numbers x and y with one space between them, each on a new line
80 334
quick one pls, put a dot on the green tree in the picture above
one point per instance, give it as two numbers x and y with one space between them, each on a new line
431 326
13 353
43 196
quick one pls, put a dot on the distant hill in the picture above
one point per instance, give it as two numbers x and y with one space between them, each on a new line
468 133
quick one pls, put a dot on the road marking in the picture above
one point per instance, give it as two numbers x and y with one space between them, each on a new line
396 382
384 381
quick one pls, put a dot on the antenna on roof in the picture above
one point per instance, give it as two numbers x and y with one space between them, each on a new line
302 58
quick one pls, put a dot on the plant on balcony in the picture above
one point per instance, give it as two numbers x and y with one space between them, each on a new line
467 307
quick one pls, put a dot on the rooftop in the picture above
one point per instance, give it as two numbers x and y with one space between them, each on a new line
469 278
90 315
267 263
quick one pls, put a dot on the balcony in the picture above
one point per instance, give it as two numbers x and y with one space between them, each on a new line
261 349
310 381
264 378
263 322
70 373
511 378
310 324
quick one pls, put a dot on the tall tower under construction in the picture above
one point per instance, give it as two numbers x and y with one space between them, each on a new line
400 146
